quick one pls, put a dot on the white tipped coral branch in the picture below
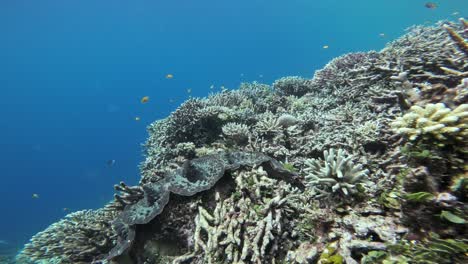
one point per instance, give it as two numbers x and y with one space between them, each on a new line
461 42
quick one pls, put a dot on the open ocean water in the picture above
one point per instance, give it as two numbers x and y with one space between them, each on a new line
73 73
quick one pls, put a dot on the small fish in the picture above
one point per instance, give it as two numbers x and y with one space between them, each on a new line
212 87
65 209
144 99
260 76
325 47
137 118
430 5
3 242
455 13
169 76
382 35
189 90
242 75
111 163
171 100
35 196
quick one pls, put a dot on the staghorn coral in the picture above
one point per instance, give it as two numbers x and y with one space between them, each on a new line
461 42
239 133
80 237
335 175
434 121
246 226
292 85
268 124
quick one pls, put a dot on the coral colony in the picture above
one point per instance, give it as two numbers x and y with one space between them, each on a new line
363 163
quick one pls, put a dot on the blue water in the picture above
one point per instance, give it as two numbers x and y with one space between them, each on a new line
72 74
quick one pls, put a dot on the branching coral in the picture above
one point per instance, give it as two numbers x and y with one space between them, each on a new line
461 42
239 133
80 237
434 121
335 175
246 226
268 124
293 85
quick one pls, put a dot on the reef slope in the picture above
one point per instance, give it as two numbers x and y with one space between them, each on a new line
363 163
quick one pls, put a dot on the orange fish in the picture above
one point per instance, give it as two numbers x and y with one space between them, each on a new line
169 76
144 100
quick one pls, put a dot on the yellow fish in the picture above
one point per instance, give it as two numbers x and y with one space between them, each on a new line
325 46
144 100
35 196
169 76
137 118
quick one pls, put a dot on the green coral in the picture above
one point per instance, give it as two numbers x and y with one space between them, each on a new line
459 183
420 197
390 200
451 217
330 256
434 121
431 251
290 167
336 174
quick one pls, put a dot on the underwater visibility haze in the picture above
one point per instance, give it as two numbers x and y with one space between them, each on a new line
246 131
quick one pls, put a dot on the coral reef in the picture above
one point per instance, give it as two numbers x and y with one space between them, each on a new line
238 176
